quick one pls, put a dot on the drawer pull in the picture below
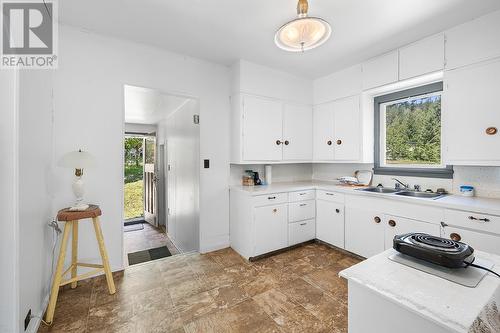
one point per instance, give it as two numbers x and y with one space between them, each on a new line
278 142
491 130
287 142
275 210
303 223
303 193
302 205
337 210
455 237
328 193
339 142
473 218
329 142
392 223
376 219
271 198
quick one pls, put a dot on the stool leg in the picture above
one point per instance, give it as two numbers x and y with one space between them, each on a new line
104 255
74 253
58 275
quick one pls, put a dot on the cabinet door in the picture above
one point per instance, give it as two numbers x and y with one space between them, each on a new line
347 129
381 70
271 228
330 222
397 226
262 129
297 132
323 119
470 110
479 241
364 231
422 57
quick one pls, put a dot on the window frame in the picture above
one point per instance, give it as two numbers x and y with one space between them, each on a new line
445 172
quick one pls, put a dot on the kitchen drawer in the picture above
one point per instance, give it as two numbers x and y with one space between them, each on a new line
302 210
300 232
480 222
301 195
478 240
330 196
270 199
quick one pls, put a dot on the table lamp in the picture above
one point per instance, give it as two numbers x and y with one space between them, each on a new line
78 160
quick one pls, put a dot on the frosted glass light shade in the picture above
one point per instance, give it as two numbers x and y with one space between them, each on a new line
302 34
77 160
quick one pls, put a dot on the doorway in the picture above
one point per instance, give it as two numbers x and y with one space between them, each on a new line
161 178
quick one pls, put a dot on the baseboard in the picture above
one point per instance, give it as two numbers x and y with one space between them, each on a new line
214 243
36 319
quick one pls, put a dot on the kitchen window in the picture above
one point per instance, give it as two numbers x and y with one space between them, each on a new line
408 133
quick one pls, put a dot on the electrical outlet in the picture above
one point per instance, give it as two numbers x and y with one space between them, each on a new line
27 320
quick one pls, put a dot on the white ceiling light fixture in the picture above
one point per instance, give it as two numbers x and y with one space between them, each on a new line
304 33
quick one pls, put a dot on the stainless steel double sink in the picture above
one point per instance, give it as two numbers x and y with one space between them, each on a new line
404 193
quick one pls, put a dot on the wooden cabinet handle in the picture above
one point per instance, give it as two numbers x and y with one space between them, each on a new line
287 142
491 130
376 219
455 237
392 223
329 142
339 142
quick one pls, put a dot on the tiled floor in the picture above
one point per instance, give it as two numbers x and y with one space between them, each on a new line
145 239
296 291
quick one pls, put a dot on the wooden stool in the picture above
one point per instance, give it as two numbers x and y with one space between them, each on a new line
71 219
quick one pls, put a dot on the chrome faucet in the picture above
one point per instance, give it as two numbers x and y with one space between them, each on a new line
399 183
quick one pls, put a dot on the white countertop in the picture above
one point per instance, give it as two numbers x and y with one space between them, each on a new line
472 204
444 302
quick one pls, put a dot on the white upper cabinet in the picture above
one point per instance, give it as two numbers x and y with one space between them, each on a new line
474 41
262 129
344 83
471 115
323 120
347 129
422 57
381 70
297 132
337 130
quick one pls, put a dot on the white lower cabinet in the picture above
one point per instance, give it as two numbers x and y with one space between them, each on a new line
364 231
478 240
330 222
394 225
271 224
300 232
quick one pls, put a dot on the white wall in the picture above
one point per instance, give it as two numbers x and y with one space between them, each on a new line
139 128
36 181
260 80
8 200
89 115
182 139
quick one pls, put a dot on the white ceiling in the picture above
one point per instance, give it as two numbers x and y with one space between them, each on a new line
149 106
223 31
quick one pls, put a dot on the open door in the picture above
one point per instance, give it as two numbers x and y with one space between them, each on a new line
150 181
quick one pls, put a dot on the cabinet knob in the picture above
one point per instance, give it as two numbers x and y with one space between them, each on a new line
491 130
339 142
392 223
278 142
455 237
376 219
329 142
275 210
287 142
337 210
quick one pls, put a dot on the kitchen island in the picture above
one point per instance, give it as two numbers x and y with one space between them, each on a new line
385 296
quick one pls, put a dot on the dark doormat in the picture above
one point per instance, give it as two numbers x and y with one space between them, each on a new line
148 255
133 227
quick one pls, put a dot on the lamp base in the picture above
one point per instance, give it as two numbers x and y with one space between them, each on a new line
79 207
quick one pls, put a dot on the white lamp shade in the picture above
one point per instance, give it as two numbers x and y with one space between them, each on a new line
77 160
302 34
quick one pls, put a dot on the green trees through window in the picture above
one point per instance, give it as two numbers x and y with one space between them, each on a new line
413 131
